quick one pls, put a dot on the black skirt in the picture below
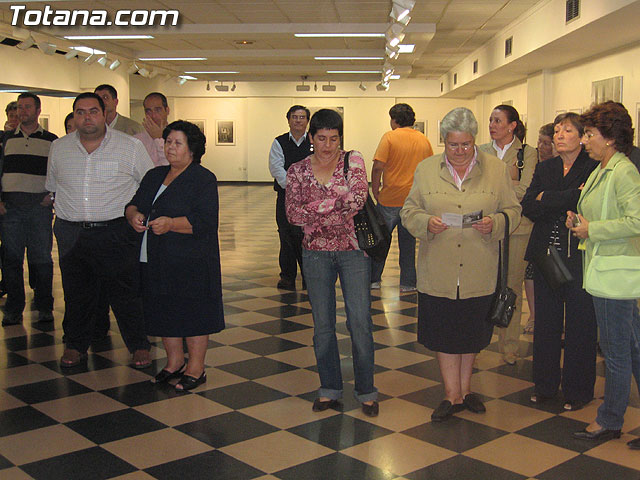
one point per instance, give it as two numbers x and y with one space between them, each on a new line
454 326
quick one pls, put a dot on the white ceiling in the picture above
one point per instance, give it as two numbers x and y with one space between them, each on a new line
444 32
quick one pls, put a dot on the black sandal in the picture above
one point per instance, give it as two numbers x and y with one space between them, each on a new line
165 375
187 382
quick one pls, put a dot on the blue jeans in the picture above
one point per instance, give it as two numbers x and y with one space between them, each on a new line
406 248
619 325
321 270
27 227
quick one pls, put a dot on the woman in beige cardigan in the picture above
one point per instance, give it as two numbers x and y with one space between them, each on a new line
507 133
458 259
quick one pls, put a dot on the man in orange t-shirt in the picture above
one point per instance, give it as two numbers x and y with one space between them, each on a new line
395 161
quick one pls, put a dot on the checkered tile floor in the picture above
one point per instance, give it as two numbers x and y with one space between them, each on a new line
253 417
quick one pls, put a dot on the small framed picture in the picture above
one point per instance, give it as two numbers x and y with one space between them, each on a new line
440 139
201 124
421 126
43 120
225 132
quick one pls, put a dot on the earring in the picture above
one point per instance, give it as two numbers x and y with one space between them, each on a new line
509 131
607 144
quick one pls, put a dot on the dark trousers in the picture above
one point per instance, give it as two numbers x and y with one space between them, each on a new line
27 228
101 319
570 309
100 258
290 243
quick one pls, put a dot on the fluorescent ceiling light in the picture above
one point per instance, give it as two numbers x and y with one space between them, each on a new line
188 77
13 90
348 58
394 77
353 71
108 37
339 35
406 48
88 50
169 59
212 71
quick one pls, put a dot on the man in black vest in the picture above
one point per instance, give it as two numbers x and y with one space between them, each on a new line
287 149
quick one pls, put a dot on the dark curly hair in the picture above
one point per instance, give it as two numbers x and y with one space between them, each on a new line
403 114
613 122
196 140
513 116
325 119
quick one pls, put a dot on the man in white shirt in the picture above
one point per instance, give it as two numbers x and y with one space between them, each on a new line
94 172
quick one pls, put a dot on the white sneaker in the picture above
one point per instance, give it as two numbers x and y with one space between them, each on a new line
407 289
376 285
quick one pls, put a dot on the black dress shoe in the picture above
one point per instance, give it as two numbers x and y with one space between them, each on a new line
11 319
600 434
371 410
165 375
445 410
472 402
287 285
187 382
322 405
634 444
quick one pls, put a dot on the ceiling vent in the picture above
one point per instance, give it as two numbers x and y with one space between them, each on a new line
508 46
475 66
573 10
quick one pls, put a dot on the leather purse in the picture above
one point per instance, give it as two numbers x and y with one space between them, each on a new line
371 229
550 264
504 300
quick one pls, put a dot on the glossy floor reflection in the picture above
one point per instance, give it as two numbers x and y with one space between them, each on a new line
253 418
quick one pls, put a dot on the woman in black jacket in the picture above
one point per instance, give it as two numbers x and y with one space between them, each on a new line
176 207
555 188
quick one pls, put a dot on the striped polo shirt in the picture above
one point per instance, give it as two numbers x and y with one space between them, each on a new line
24 167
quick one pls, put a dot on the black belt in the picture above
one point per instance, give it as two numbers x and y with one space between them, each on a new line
90 225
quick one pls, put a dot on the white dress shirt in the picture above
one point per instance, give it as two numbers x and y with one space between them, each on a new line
276 160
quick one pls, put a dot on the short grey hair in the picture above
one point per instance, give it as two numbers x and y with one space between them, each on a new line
459 120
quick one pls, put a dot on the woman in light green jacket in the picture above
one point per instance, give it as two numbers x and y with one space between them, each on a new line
608 138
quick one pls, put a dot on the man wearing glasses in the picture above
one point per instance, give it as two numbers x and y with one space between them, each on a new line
287 149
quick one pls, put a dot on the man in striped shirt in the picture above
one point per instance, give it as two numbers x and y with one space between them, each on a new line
27 213
94 172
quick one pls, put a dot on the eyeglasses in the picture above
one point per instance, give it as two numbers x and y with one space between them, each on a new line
298 117
454 146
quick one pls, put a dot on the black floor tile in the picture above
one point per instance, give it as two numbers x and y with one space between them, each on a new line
257 368
417 348
277 327
94 463
584 467
16 344
558 431
463 468
226 429
232 309
285 311
268 345
429 369
9 359
140 393
336 466
114 426
4 463
552 405
409 312
409 327
22 419
47 390
243 395
352 431
206 465
523 369
236 297
457 434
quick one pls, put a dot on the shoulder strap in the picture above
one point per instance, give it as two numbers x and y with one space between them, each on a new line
503 256
520 161
346 162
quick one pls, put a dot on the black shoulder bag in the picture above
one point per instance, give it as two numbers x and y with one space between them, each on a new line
520 161
371 230
504 301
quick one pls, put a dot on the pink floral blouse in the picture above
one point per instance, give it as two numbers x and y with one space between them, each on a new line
326 212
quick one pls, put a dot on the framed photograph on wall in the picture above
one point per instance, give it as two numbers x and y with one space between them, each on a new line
421 126
225 132
201 124
44 121
607 89
440 139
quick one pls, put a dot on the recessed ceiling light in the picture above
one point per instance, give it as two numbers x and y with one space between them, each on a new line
244 42
406 48
348 58
187 77
348 35
353 71
108 37
212 71
169 59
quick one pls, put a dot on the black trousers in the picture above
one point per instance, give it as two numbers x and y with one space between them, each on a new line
101 258
571 310
290 243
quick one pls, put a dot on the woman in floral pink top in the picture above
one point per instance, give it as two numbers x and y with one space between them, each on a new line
323 200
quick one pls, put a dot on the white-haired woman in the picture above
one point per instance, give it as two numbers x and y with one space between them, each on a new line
458 266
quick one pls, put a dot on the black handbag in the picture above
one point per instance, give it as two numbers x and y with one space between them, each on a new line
550 264
504 300
371 230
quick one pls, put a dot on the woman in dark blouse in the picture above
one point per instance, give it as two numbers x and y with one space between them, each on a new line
555 188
